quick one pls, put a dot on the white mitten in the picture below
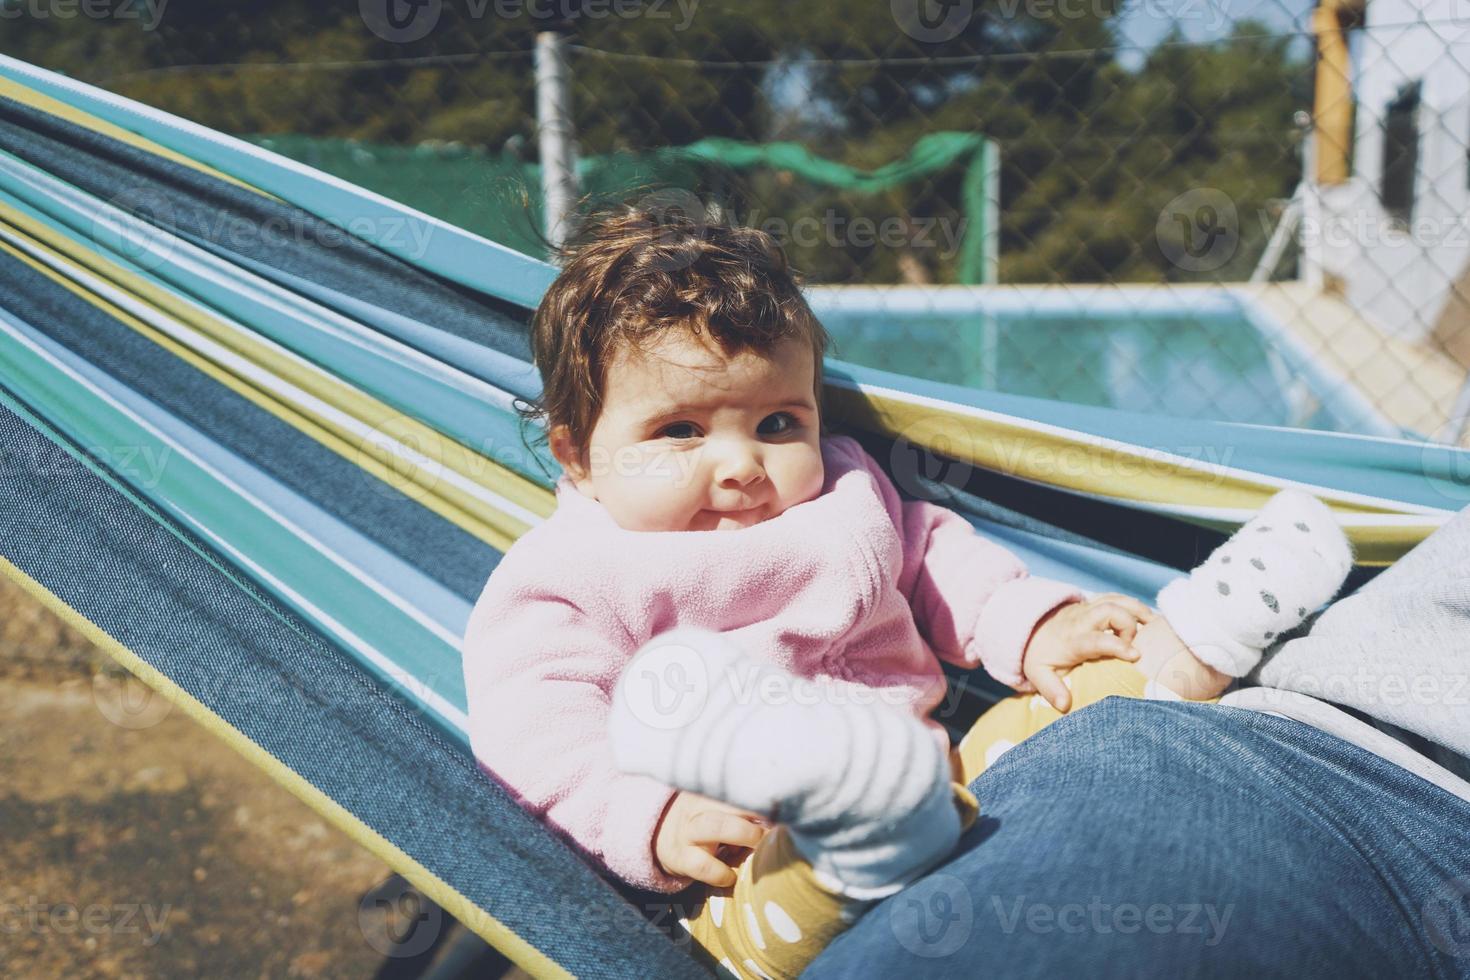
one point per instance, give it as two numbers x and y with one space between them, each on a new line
1282 565
864 789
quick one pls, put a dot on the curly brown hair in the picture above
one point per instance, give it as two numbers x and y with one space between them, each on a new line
632 273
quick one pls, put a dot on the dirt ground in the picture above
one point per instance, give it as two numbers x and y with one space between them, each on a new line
138 845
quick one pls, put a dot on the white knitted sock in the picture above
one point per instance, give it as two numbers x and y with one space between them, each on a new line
863 788
1282 565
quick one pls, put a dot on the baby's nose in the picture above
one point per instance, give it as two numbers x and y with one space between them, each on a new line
739 467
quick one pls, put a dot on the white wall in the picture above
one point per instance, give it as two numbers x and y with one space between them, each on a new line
1401 280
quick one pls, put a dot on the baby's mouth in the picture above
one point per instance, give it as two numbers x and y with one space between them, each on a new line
732 520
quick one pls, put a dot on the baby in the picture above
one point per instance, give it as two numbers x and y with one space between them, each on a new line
665 696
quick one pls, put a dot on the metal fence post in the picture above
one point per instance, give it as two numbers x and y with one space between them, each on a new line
555 134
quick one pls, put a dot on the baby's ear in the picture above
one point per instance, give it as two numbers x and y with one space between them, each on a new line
559 439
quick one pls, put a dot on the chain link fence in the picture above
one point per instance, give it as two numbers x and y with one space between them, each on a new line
1251 210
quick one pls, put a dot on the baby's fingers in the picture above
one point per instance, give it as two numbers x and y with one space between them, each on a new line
1113 616
1096 645
699 864
1139 610
1050 686
718 827
709 803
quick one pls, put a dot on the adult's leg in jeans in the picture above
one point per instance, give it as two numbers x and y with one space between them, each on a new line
1398 649
1147 838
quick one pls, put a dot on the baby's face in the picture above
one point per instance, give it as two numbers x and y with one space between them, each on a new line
691 440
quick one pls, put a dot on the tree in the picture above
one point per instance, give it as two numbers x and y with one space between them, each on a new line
1091 152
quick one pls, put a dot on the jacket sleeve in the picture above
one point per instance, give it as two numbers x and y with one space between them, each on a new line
539 673
972 599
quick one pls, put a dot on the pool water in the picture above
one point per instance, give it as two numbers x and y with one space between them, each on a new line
1216 365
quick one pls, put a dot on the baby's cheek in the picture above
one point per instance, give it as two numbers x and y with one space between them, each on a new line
804 478
648 510
667 506
649 492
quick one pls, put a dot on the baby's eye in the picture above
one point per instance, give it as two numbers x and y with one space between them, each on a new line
786 422
679 430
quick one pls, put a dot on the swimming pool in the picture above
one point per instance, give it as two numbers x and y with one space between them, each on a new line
1188 352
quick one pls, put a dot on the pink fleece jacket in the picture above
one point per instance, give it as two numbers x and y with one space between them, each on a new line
855 585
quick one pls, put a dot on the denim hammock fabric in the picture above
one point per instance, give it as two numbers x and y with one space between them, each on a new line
261 443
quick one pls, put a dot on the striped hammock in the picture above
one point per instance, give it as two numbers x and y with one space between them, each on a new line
261 445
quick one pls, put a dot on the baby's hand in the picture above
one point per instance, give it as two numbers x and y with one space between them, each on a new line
1078 632
693 831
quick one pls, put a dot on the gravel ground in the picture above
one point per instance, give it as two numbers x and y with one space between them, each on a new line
149 848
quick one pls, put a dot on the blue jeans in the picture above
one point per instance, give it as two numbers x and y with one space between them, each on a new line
1147 838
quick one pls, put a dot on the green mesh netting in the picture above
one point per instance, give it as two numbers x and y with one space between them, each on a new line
499 196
